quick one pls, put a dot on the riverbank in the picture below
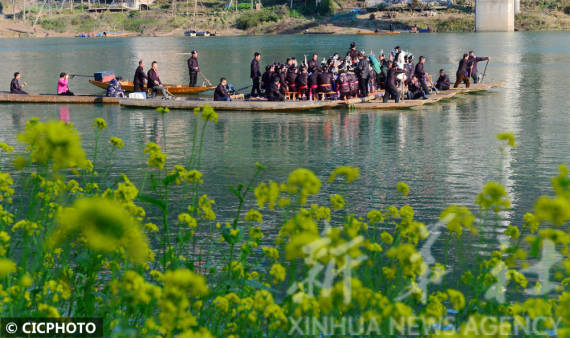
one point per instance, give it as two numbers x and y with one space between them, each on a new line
280 20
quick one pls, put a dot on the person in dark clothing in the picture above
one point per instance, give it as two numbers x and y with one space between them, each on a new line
274 94
343 85
353 52
255 74
140 77
443 82
363 72
114 89
267 77
472 65
313 83
391 89
15 86
314 62
462 72
193 68
154 84
421 74
291 79
324 80
221 94
303 83
415 90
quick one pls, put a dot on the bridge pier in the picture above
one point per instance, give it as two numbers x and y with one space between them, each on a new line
495 15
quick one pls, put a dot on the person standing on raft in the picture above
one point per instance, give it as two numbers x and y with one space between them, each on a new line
140 78
255 74
472 65
193 68
462 73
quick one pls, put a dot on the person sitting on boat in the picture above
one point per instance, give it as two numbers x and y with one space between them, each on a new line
62 88
15 86
325 79
193 68
313 82
283 79
421 74
140 78
291 79
415 90
462 72
114 89
154 82
391 89
472 65
221 93
303 83
443 82
343 85
274 94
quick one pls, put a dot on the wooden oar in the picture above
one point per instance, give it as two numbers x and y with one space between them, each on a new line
485 71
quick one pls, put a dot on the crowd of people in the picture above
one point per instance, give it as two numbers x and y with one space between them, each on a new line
354 75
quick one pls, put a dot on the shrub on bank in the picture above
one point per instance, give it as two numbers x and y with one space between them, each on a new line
253 19
57 24
80 240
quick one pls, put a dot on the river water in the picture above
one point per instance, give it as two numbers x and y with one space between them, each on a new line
445 152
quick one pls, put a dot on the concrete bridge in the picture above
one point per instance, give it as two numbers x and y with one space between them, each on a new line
496 15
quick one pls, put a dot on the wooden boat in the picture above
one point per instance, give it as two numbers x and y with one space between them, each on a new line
50 98
433 98
128 86
377 33
238 105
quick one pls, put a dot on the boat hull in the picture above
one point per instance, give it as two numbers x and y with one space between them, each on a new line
44 98
128 86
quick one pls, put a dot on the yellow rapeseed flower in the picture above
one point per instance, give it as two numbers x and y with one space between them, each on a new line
266 193
337 202
349 173
116 142
278 272
99 123
208 114
403 188
493 197
509 137
7 266
6 148
254 216
304 182
53 141
102 225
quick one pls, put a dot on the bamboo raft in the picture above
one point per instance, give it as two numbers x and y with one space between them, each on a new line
442 95
248 105
128 86
377 33
50 98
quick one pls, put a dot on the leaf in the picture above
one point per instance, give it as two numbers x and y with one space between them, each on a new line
257 285
153 201
169 179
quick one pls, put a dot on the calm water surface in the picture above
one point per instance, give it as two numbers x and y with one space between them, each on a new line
446 152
